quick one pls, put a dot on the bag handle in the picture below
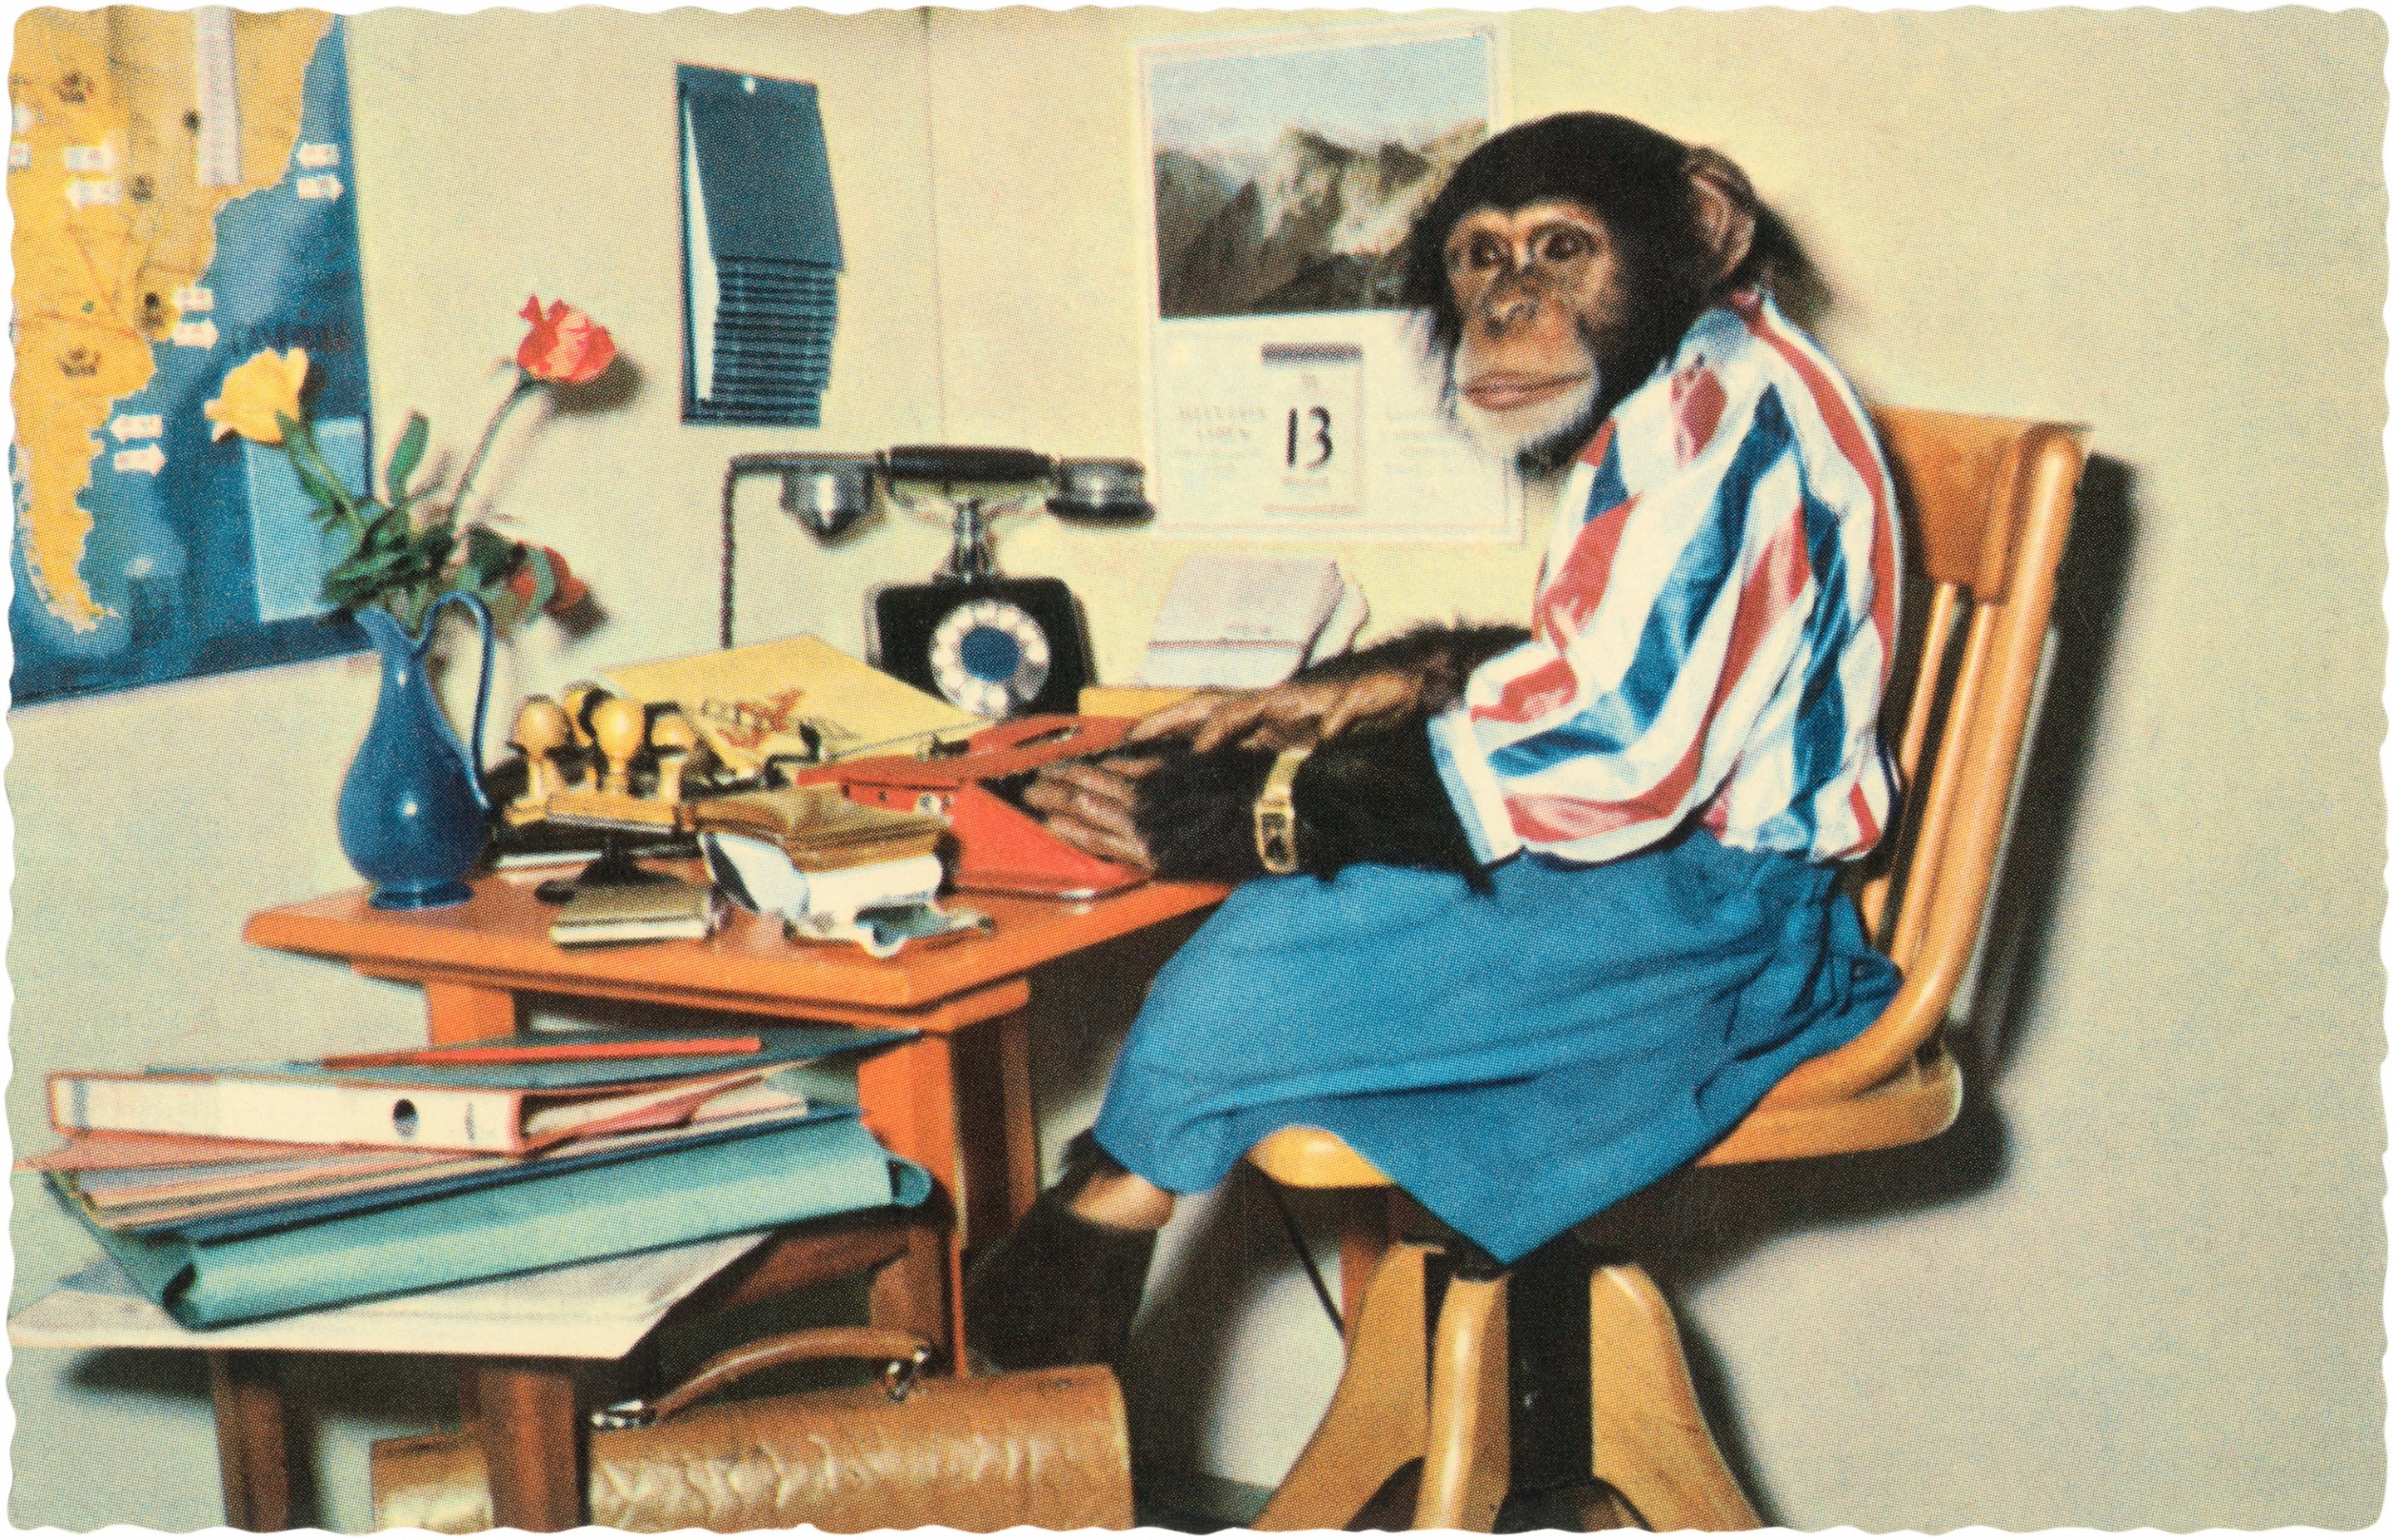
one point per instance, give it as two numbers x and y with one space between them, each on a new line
904 1354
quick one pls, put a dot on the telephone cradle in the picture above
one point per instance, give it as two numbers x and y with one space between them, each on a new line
1000 846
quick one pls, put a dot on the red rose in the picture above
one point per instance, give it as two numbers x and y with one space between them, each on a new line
571 590
564 346
543 582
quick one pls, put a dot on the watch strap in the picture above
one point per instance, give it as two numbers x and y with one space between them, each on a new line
1276 813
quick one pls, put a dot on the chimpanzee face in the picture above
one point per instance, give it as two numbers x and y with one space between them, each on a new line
1538 290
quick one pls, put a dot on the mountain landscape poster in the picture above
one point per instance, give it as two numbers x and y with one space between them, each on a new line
1292 400
1284 180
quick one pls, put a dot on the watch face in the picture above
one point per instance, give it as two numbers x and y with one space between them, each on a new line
989 657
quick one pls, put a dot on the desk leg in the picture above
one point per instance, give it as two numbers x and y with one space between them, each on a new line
1021 1131
468 1012
253 1440
909 1292
960 1104
907 1097
531 1441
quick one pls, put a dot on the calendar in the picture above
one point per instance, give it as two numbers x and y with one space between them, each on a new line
1316 407
1292 396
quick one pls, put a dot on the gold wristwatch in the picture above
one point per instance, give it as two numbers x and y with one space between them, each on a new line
1276 813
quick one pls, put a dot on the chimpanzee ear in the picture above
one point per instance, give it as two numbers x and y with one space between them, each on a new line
1725 208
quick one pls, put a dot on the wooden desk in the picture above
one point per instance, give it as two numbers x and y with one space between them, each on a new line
956 1100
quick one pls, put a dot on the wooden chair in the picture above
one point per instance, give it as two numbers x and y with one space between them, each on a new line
1987 504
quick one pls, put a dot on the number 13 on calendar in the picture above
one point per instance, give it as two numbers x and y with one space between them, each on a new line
1315 401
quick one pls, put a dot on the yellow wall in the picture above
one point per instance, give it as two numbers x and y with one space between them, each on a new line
2141 1285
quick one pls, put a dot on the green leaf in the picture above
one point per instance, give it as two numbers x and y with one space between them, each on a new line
389 529
409 452
433 545
369 568
492 557
354 588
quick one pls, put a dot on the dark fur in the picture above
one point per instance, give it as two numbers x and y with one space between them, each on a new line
1374 796
1635 180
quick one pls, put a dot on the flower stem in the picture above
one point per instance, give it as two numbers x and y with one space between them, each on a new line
305 440
524 382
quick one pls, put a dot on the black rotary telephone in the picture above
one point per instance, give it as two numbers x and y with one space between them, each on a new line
993 645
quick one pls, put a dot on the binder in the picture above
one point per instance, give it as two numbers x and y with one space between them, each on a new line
825 1166
490 1108
479 1119
266 1204
459 1175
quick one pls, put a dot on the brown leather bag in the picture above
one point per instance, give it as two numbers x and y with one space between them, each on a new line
1050 1449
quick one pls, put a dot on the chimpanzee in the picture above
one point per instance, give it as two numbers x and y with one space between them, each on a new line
1561 902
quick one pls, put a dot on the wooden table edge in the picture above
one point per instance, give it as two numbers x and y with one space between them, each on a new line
701 973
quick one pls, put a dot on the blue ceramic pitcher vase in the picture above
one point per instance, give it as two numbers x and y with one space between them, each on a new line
413 815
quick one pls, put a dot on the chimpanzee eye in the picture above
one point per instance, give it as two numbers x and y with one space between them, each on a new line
1566 245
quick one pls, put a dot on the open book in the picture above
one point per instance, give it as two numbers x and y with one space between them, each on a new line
1246 621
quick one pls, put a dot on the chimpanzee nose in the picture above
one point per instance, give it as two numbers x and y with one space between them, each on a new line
1508 303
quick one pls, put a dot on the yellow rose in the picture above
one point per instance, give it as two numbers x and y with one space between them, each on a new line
255 392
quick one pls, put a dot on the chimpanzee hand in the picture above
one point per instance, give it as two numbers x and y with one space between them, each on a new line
1298 715
1181 804
1092 804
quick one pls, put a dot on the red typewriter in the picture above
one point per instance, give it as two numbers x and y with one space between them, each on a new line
1001 846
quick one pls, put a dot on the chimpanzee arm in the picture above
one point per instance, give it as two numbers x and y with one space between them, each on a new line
1362 796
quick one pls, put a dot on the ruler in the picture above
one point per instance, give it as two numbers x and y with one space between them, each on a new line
219 147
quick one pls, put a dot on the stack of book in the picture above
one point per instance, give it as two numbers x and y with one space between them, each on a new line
236 1192
606 916
831 868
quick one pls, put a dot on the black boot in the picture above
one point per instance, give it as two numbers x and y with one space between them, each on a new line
1060 1289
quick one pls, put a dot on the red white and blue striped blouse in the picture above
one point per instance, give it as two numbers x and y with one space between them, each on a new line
1713 626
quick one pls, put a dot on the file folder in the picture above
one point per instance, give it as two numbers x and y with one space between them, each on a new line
827 1164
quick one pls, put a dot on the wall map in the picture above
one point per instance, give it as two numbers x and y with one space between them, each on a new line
183 197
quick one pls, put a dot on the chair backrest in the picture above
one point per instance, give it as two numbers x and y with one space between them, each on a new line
1986 506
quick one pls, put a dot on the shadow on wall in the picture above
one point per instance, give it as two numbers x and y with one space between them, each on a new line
1234 1253
1800 288
1696 1224
2085 622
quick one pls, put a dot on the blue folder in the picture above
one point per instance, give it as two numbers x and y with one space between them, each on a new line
825 1165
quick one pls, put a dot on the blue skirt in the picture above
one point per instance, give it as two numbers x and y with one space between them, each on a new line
1518 1059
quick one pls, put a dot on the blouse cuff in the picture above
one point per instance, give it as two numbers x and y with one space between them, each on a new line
1472 785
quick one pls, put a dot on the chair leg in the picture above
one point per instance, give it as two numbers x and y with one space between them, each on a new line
1380 1418
1467 1463
1651 1442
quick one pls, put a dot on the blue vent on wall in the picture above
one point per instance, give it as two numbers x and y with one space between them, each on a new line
760 250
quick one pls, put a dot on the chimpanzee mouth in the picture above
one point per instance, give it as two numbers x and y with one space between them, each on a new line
1541 432
1504 391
